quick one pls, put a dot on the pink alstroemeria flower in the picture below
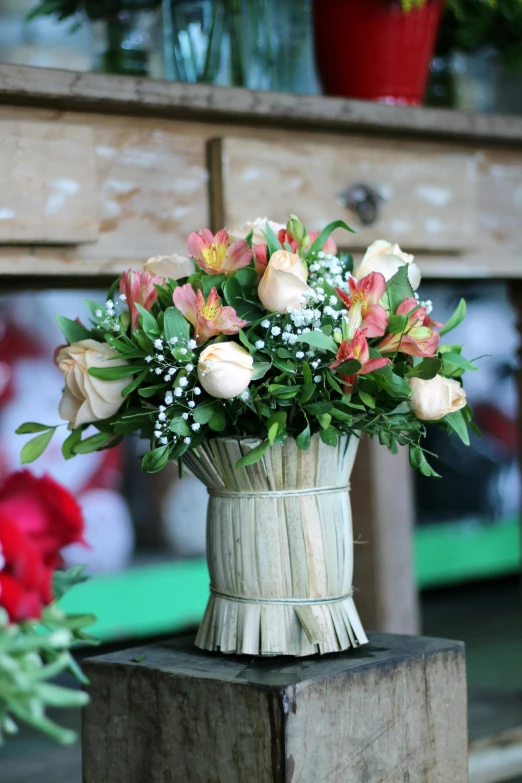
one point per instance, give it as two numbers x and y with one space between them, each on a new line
208 318
260 259
357 348
284 235
418 338
362 302
215 255
138 288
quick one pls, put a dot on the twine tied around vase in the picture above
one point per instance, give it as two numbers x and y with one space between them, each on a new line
284 601
220 492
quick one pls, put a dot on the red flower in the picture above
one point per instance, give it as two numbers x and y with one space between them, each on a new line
38 517
138 288
285 237
418 338
363 304
358 349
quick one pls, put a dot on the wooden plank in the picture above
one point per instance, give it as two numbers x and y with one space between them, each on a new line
386 595
421 206
112 93
47 183
168 712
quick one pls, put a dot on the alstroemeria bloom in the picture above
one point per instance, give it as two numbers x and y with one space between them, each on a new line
138 288
417 339
215 254
207 317
362 302
285 237
357 348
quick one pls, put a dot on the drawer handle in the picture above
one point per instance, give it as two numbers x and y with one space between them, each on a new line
363 200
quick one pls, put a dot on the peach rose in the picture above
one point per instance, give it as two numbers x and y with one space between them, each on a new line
85 398
173 266
283 284
257 227
225 370
387 259
433 399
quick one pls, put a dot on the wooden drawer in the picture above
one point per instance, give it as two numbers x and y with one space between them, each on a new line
47 183
428 196
136 189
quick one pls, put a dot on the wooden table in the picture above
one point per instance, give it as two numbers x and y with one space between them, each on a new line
100 172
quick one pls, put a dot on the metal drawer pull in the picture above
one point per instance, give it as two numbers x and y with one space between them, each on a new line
363 200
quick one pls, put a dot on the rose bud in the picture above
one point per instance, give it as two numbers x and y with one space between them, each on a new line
387 259
283 284
433 399
225 370
86 398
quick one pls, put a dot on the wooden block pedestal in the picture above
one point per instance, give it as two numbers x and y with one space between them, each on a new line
391 711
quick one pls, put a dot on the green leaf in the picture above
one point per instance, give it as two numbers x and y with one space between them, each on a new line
155 460
319 340
69 443
275 424
150 391
457 423
35 447
253 456
456 319
247 279
175 325
340 415
457 360
391 383
115 373
218 422
73 331
93 443
317 408
203 413
397 323
260 370
426 469
282 392
63 581
304 438
133 385
426 369
307 393
148 322
307 373
329 436
398 288
367 399
273 243
326 232
31 426
212 281
415 455
333 383
351 367
246 343
324 420
180 427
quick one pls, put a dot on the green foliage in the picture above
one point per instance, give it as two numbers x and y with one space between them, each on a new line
32 654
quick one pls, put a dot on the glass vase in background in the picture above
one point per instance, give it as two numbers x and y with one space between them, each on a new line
129 41
260 44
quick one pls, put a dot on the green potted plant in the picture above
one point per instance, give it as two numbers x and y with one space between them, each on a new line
123 30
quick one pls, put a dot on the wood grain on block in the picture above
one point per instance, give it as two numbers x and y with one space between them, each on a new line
394 710
47 183
422 207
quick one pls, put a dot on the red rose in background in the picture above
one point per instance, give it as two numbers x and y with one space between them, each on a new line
38 517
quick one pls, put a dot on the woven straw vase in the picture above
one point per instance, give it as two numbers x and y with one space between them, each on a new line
279 548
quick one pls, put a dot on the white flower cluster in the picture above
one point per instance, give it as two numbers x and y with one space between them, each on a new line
109 316
428 304
326 268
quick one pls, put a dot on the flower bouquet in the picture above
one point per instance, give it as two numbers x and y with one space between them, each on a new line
38 517
260 372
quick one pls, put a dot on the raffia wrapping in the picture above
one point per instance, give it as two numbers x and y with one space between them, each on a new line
278 548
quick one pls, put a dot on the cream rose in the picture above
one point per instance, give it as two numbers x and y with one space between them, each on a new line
283 284
433 399
173 266
225 370
85 398
257 227
387 259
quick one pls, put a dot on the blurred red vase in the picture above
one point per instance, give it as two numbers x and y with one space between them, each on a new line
373 50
